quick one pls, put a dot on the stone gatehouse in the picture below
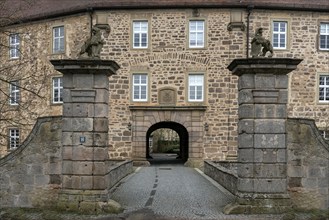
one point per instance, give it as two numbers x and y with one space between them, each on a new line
173 75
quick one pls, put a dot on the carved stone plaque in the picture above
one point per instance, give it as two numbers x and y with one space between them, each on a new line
167 96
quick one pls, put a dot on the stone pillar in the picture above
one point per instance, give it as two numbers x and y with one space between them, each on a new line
84 130
262 153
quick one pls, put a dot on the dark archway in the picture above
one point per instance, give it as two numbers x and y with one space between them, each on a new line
182 133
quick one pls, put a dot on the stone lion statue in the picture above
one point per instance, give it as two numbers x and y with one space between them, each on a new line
260 46
92 47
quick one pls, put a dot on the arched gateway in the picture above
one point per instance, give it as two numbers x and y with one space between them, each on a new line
186 121
181 131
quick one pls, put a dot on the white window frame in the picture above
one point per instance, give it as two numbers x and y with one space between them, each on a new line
138 30
138 87
196 32
324 32
324 87
279 34
14 93
57 88
194 87
14 44
58 39
13 138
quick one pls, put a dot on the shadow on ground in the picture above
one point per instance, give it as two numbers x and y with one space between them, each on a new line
165 159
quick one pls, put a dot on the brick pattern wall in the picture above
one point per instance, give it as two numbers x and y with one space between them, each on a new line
168 60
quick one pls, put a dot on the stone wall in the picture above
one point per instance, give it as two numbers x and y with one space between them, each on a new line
308 165
31 176
225 173
168 60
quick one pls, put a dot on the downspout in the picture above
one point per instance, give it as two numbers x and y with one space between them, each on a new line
91 11
249 9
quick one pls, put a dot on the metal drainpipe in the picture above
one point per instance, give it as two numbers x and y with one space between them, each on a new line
91 11
249 9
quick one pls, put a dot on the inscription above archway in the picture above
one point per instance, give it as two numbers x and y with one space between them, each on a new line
167 96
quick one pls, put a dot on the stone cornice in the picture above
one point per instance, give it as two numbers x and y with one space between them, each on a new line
168 108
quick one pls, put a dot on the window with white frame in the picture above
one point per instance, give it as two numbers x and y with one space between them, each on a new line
58 39
324 88
279 34
14 93
14 42
196 34
58 90
140 87
196 87
13 138
324 36
140 34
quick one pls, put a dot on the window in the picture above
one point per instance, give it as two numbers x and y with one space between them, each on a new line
196 36
139 87
324 88
57 90
195 88
14 46
13 138
140 34
58 39
279 35
324 36
14 93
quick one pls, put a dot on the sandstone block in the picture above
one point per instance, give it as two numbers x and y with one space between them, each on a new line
246 126
101 125
270 126
264 81
82 153
82 168
99 182
281 81
102 96
270 140
245 185
101 81
67 167
86 182
100 139
101 110
245 170
99 168
245 96
80 110
245 155
246 81
246 111
246 140
270 185
270 170
270 111
83 81
82 124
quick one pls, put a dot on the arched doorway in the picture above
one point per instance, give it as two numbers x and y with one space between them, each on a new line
183 139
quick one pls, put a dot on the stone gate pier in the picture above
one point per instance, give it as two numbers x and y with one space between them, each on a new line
262 149
85 132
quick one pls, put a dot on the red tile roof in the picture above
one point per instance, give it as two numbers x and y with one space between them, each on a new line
39 9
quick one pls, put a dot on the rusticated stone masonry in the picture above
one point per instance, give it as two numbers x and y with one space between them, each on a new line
262 150
85 129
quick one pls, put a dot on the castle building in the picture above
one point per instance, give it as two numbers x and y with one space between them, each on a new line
173 57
